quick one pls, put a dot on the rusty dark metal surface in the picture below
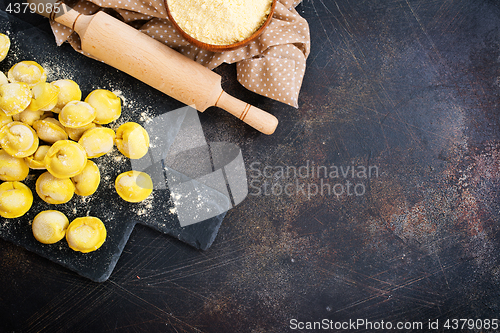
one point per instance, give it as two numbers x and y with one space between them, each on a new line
409 88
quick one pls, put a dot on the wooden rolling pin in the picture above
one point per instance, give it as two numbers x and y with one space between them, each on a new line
152 62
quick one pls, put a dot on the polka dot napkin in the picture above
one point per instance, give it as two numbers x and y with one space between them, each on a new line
272 65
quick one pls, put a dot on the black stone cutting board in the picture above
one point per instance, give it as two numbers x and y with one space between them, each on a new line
140 104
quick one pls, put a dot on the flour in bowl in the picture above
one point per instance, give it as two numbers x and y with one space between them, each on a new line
220 22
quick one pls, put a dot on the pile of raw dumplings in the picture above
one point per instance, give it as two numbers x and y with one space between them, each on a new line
46 126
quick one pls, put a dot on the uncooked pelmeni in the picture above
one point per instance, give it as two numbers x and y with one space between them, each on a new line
87 181
107 105
133 186
36 161
18 139
49 226
69 91
4 46
86 234
132 140
65 159
29 72
50 130
54 190
14 98
15 199
12 168
44 96
97 141
77 114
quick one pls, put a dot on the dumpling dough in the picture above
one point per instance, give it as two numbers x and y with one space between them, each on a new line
133 186
86 234
15 199
18 139
132 140
49 226
54 190
87 181
107 104
97 141
65 159
69 91
14 98
4 46
36 161
29 72
76 114
12 168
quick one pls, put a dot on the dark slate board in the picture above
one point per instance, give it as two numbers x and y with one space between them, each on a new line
140 102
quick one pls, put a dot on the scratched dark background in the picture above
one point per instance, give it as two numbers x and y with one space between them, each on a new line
411 87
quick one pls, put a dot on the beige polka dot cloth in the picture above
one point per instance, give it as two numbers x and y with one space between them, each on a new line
273 65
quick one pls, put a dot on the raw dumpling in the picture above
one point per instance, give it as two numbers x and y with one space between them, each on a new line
12 168
28 117
133 186
15 199
4 46
4 119
86 234
50 130
54 190
18 139
65 159
87 181
69 91
29 72
49 226
107 104
76 133
14 98
76 114
97 141
44 96
132 140
36 161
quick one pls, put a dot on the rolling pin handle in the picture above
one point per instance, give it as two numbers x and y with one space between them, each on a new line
253 116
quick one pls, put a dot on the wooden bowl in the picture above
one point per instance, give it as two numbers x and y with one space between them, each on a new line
221 48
